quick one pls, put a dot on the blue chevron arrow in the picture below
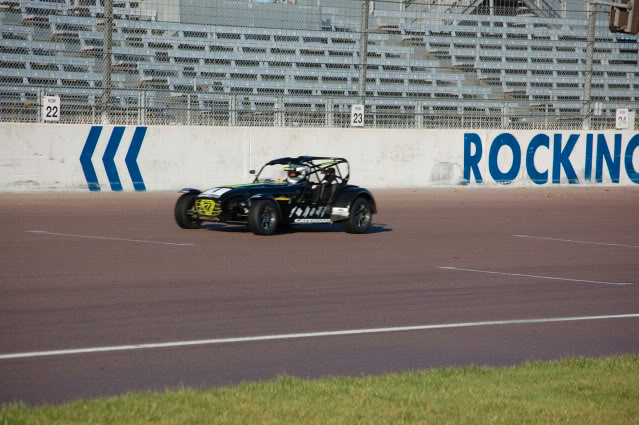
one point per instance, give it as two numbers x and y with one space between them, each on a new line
85 158
132 158
109 154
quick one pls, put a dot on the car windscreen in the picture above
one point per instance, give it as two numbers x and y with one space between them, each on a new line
272 174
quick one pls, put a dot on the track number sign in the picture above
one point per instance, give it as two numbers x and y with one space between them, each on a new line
357 115
622 118
51 108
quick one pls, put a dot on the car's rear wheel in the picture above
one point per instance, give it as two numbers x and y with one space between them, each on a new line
360 218
263 217
185 216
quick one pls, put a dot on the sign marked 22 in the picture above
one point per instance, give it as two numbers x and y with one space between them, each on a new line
51 108
108 158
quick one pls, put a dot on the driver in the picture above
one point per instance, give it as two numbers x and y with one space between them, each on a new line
296 173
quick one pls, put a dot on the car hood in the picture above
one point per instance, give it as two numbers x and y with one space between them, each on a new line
249 189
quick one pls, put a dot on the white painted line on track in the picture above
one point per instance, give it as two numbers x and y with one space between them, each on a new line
44 232
573 241
535 276
310 335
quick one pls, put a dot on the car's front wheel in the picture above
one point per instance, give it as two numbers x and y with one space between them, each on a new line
263 217
185 217
360 218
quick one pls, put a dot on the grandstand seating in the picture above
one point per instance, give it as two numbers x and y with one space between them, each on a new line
448 67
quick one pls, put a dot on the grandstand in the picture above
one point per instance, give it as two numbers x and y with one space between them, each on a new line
434 64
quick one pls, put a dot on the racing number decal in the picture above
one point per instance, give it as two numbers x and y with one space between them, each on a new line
205 206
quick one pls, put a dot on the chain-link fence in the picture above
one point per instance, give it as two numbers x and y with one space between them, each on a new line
444 64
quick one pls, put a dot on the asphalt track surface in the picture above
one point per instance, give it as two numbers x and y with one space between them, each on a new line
94 274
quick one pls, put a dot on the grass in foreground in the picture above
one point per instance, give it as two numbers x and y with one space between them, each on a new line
570 391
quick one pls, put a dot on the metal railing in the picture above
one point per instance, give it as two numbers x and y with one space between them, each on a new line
184 109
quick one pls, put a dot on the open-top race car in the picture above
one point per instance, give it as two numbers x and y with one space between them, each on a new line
286 191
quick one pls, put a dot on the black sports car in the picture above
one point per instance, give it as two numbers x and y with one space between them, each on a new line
286 191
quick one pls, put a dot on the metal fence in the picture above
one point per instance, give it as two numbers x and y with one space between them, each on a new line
182 109
296 63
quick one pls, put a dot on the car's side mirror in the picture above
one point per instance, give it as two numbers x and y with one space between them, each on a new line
252 172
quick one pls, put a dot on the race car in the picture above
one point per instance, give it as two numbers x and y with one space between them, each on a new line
286 191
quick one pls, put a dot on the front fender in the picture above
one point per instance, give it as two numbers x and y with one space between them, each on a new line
264 196
190 191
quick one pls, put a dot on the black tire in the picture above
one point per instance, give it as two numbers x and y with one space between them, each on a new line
184 215
263 217
360 218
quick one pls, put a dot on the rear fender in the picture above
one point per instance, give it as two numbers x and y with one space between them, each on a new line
342 207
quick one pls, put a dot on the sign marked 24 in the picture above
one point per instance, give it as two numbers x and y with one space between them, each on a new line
108 158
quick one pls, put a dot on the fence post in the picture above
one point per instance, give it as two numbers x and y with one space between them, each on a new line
278 112
374 112
363 51
40 97
233 109
188 109
586 112
93 110
144 107
504 115
107 46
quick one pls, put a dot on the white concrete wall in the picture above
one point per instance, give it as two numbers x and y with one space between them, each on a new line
47 157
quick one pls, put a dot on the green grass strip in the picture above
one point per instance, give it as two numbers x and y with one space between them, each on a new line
570 391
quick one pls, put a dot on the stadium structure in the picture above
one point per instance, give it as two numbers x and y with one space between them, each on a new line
430 63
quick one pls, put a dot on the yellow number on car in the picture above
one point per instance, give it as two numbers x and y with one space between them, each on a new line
205 206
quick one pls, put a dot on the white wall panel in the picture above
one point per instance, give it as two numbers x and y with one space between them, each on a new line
47 157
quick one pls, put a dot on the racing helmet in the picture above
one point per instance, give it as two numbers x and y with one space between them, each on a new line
295 173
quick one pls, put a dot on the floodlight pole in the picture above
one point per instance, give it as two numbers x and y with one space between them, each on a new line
590 47
363 51
592 19
106 72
